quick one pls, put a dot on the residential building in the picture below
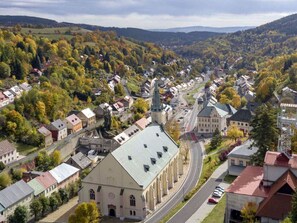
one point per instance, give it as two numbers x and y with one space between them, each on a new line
3 100
47 136
242 119
79 161
13 196
127 101
37 187
87 116
213 116
58 129
102 109
142 123
132 179
8 152
270 187
16 91
25 87
48 182
9 95
65 174
240 157
118 107
73 123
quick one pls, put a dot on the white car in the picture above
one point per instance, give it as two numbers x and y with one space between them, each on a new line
219 188
217 194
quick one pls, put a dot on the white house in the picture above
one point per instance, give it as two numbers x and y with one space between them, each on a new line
8 152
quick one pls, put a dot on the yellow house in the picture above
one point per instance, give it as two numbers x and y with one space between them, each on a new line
131 180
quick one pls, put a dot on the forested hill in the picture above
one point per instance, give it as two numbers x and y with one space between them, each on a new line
169 39
254 45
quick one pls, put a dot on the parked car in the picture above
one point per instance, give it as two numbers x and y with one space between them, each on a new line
212 200
217 194
220 188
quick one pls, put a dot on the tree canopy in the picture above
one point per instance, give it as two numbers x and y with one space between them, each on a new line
85 213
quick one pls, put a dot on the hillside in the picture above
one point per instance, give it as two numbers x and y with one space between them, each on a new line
205 29
254 45
169 39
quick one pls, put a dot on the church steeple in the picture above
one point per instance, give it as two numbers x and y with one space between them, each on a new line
156 102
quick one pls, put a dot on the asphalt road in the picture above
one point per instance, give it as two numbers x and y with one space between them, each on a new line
195 203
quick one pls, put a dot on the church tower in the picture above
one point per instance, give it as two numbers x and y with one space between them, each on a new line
157 112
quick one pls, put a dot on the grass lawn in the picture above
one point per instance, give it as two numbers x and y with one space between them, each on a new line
229 179
25 149
217 214
225 144
189 97
133 84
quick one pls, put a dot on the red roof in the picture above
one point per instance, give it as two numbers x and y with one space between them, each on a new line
279 159
46 179
249 182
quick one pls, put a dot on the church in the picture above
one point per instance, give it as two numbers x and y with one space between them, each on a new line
132 179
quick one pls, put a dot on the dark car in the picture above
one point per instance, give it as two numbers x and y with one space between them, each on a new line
212 200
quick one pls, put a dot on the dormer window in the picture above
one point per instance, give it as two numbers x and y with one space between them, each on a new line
157 134
165 148
159 154
146 167
153 160
129 158
145 146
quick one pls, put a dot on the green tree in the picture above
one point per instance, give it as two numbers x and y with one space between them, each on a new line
248 212
264 132
17 174
20 215
53 202
36 208
4 70
294 207
45 204
85 213
216 139
64 195
2 166
141 105
5 180
119 89
56 158
234 132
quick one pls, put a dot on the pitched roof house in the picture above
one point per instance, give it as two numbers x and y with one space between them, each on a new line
58 129
48 182
87 116
242 119
8 152
3 100
74 124
17 194
272 184
47 136
65 174
79 161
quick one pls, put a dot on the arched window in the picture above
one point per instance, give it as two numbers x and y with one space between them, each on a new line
92 194
132 201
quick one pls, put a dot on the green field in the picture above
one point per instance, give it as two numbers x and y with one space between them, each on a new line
25 149
217 214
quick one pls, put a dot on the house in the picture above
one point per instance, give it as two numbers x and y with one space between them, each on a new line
101 109
132 179
37 187
168 111
242 119
47 136
270 187
48 182
73 123
8 152
65 174
9 95
142 123
16 91
25 87
58 129
127 101
79 161
213 116
13 196
87 116
3 100
118 107
240 157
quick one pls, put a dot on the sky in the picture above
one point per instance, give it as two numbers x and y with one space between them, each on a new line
154 14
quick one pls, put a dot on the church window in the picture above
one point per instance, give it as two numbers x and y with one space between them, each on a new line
132 201
92 194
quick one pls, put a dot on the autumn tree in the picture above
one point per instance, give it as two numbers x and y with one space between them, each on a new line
4 70
5 180
173 129
119 89
264 132
230 96
56 158
234 132
248 212
141 105
86 213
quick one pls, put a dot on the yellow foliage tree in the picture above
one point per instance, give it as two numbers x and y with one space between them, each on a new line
85 213
248 212
234 132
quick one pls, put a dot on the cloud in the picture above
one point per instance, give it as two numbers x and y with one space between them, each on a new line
153 13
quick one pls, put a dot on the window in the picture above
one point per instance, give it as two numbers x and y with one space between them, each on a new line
92 194
240 162
134 213
132 201
130 212
232 162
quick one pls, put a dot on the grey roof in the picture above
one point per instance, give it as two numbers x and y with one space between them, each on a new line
138 153
14 193
206 111
6 147
243 151
44 131
226 107
81 160
63 172
242 115
57 125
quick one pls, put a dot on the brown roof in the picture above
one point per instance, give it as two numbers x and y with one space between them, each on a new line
46 179
6 147
73 119
268 208
279 159
249 182
44 131
142 123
